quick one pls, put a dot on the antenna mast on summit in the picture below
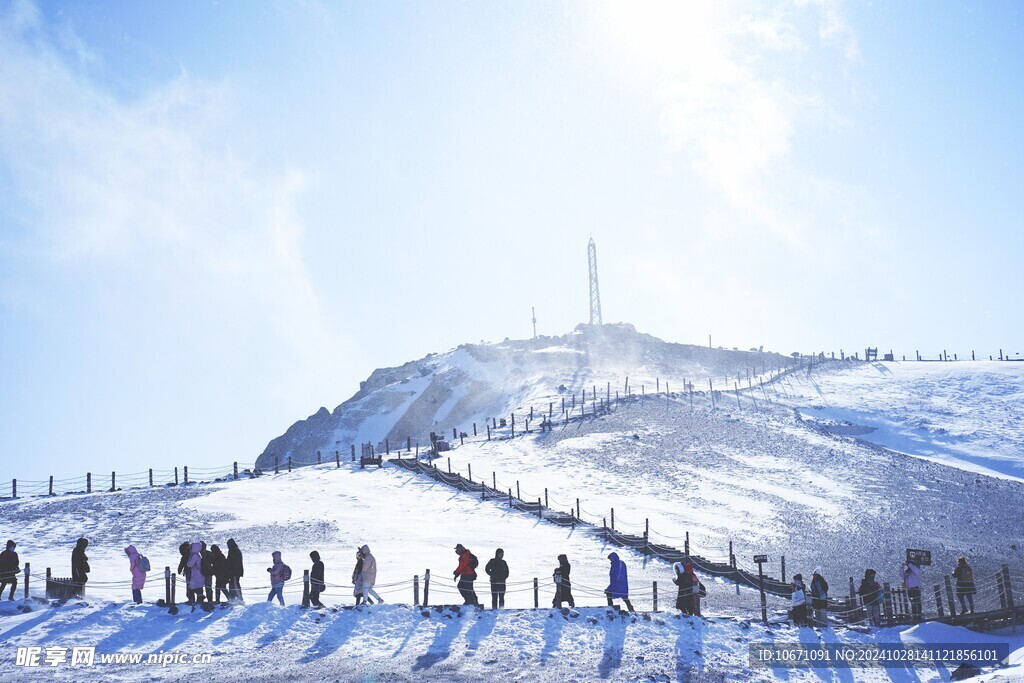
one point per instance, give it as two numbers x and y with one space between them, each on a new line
595 292
534 312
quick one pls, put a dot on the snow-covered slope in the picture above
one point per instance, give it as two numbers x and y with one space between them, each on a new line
411 523
477 382
763 479
966 414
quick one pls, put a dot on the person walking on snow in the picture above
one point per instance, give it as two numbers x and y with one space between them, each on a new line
369 574
688 595
207 569
9 569
279 574
819 597
316 579
196 579
80 565
465 575
497 570
798 599
912 581
563 583
871 595
965 589
185 550
618 586
138 573
235 570
357 580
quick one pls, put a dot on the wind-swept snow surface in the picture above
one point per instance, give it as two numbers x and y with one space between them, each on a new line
966 414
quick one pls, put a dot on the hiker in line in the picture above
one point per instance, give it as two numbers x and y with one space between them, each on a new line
196 579
185 550
316 579
819 597
369 574
207 569
235 571
9 569
563 583
799 601
220 570
871 595
465 575
279 574
497 570
138 570
965 589
357 580
618 587
80 565
912 582
688 595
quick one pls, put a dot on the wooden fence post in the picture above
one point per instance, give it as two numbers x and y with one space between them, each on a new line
305 588
14 488
28 575
536 593
113 481
1007 587
234 470
277 464
353 455
150 476
783 574
176 474
949 596
51 481
185 468
88 482
613 519
289 463
416 590
655 596
167 586
426 588
337 460
318 456
539 509
517 490
546 497
578 509
687 546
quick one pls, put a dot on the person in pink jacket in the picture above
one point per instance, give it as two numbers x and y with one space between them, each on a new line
138 576
196 580
279 575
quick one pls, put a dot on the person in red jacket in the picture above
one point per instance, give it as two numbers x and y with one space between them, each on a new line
465 574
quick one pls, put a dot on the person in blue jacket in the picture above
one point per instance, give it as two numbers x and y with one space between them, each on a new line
618 588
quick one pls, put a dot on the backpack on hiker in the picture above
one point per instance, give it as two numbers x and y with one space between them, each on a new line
286 573
473 562
144 564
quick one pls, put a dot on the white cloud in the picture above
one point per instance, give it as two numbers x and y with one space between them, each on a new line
730 99
151 187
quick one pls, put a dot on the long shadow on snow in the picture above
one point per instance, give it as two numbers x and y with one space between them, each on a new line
333 637
441 648
689 642
189 626
82 625
478 632
254 616
553 628
28 625
614 640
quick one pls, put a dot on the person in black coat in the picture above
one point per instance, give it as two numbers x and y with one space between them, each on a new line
185 550
563 584
207 568
220 570
9 569
235 571
316 580
497 570
80 565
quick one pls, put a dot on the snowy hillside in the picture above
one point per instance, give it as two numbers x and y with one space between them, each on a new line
411 523
477 382
966 414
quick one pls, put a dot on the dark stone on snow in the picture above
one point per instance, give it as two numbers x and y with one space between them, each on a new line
965 671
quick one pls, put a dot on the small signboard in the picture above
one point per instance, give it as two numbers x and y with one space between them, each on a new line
758 559
922 558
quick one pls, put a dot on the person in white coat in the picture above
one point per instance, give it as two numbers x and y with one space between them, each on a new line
369 574
912 582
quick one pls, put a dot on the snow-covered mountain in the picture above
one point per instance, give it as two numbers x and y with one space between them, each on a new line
477 382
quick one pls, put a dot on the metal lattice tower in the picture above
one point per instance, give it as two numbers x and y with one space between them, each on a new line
595 292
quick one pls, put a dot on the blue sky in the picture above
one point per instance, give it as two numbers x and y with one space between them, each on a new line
217 217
